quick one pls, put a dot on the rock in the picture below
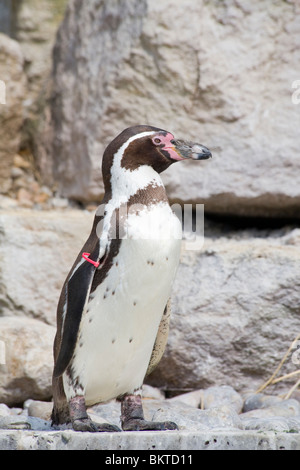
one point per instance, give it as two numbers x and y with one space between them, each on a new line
259 400
59 203
40 409
44 246
42 195
284 408
151 68
24 423
4 410
15 411
13 80
20 162
193 398
98 419
152 393
225 395
27 371
107 412
186 417
16 173
234 314
25 198
190 418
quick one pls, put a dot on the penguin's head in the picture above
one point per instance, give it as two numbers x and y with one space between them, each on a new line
146 145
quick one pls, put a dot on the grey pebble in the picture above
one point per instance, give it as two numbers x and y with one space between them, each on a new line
24 422
222 395
259 400
283 408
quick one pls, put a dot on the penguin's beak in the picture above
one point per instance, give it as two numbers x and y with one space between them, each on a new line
191 150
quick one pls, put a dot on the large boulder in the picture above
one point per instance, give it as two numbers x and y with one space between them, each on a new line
198 69
37 250
235 314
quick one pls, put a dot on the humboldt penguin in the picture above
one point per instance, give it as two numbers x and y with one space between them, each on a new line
113 312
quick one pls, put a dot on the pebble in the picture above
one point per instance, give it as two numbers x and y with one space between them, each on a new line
190 398
217 396
24 198
59 203
212 397
20 162
40 409
25 423
215 408
4 410
16 172
259 400
29 193
284 408
152 392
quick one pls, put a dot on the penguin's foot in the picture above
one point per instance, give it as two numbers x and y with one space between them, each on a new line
82 422
143 425
132 416
86 424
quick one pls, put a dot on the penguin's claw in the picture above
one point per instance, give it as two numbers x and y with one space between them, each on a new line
87 425
143 425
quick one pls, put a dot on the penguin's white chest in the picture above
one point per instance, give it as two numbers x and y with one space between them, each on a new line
119 327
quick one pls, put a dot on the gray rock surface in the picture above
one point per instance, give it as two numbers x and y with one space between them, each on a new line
199 70
24 422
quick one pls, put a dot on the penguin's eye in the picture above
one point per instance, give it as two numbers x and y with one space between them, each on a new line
157 140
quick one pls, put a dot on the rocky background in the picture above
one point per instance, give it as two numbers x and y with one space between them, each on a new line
221 73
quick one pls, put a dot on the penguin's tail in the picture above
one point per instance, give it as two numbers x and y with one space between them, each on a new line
60 412
60 415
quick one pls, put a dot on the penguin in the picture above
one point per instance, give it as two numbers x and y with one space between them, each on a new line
113 312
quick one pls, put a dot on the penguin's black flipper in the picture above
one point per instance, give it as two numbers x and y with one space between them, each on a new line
77 294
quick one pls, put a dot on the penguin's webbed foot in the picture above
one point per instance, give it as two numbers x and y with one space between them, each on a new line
82 422
132 416
87 425
144 425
